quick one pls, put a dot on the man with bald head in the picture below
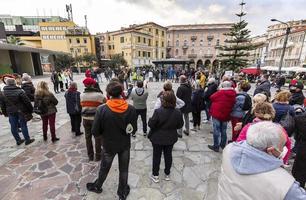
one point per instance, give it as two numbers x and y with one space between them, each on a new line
253 169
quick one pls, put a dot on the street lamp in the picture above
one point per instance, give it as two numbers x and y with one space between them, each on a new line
285 44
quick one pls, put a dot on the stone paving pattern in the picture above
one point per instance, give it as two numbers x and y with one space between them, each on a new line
60 171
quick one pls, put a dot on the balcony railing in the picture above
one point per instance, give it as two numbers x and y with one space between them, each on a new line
193 38
192 55
185 46
208 55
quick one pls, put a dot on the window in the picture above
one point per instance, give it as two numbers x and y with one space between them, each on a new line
70 41
168 43
144 40
109 47
71 50
121 39
163 44
156 31
109 37
185 43
58 28
192 43
138 39
150 30
201 42
85 40
149 42
139 53
162 55
163 33
102 48
218 42
144 54
113 46
79 50
156 43
184 52
149 54
43 28
176 52
177 43
122 53
50 28
78 40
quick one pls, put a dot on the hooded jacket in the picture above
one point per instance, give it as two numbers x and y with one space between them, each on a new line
112 121
250 174
222 103
139 97
29 89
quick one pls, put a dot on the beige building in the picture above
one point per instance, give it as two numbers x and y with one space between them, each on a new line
138 44
196 42
259 53
295 54
280 29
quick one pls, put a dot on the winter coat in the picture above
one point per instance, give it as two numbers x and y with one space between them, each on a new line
222 103
237 111
91 98
29 89
263 87
111 121
73 104
299 166
197 100
184 93
54 78
210 90
14 100
164 124
50 101
297 98
139 97
281 110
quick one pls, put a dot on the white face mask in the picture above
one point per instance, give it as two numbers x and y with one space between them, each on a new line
283 153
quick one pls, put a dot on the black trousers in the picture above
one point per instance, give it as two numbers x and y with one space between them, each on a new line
196 117
55 84
143 115
157 152
106 163
61 85
75 120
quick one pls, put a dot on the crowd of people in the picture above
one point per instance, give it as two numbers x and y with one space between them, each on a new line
267 130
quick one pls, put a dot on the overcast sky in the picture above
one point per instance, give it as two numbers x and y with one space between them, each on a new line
109 15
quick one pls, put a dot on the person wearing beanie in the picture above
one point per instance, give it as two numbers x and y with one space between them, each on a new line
222 103
114 121
28 86
297 97
91 98
16 105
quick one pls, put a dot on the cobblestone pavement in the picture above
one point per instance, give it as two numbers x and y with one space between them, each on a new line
60 171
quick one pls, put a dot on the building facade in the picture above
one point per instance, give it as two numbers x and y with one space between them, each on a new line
196 42
258 55
138 44
280 29
29 23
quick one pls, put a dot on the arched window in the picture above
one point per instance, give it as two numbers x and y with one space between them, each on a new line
185 43
201 42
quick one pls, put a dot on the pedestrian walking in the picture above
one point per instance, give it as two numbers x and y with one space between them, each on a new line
114 121
73 106
91 99
184 93
16 105
139 96
45 105
221 108
164 124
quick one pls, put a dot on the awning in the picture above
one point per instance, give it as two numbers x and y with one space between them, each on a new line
251 71
22 48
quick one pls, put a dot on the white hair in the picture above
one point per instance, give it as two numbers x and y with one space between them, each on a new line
226 84
263 135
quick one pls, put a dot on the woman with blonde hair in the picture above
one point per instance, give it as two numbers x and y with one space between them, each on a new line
45 105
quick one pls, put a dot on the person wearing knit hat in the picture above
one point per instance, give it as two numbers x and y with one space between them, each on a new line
17 107
28 86
89 82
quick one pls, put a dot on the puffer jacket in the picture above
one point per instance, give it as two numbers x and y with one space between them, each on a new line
49 100
29 89
73 104
222 103
281 110
184 92
263 87
15 100
237 109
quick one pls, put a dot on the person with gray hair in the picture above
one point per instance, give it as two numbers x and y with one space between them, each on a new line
28 86
253 169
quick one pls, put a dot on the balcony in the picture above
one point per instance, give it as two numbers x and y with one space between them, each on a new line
210 37
192 55
208 55
185 46
193 38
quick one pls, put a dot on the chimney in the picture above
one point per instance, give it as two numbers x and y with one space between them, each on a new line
2 32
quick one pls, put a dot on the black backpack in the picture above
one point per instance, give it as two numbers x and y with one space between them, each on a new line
39 107
247 105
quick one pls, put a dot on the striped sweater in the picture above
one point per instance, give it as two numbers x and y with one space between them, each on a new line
90 100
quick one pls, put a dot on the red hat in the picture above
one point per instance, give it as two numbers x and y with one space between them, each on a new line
89 82
88 73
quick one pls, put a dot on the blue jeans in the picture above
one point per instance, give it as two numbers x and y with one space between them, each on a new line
219 130
17 120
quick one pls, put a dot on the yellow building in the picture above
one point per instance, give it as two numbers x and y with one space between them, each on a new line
138 44
66 37
31 41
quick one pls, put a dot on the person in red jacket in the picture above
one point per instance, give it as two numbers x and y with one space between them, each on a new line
221 108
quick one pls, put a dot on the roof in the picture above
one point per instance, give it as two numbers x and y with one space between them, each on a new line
4 46
291 32
132 31
197 26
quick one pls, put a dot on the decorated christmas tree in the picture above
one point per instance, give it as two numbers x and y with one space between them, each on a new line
235 51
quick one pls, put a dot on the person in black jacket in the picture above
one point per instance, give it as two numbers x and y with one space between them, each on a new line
184 92
74 108
28 86
297 97
55 81
210 89
163 134
197 105
16 105
264 86
115 121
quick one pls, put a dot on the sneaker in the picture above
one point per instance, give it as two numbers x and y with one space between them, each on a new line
186 133
145 134
93 188
167 178
199 128
155 179
20 142
212 147
205 121
55 139
29 141
194 129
